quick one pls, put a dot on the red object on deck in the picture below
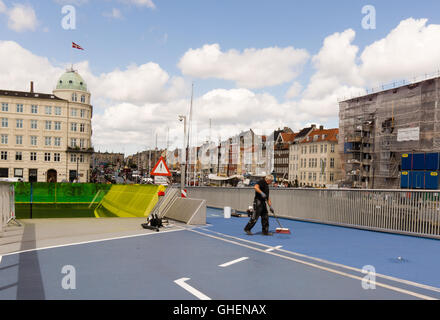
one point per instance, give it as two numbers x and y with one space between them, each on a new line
161 193
283 230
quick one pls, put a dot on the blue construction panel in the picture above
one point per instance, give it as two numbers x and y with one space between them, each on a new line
404 180
431 180
407 161
418 162
348 146
417 179
432 161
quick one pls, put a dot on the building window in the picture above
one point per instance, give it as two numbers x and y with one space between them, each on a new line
3 155
34 124
48 125
34 108
4 122
73 142
57 125
74 112
82 127
73 157
33 156
18 173
57 157
332 162
19 108
18 156
74 97
5 107
4 139
81 158
332 148
57 111
33 140
325 148
47 156
332 177
48 141
19 124
81 143
48 110
57 141
73 127
83 99
18 139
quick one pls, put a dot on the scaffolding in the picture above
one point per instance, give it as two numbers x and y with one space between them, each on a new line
376 129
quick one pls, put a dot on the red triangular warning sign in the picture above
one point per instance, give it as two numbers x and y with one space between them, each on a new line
160 169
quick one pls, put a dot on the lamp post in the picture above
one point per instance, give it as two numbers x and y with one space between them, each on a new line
183 163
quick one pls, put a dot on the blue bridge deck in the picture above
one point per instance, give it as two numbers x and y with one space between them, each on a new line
219 261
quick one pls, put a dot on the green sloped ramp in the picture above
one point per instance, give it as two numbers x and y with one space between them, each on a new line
128 201
43 192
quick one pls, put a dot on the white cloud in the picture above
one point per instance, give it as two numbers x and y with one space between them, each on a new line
22 18
412 48
137 84
114 14
294 90
252 68
71 2
141 3
2 7
20 66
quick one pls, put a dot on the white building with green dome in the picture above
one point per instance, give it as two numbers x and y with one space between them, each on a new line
47 137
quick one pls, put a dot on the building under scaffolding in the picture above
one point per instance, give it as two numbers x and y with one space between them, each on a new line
376 129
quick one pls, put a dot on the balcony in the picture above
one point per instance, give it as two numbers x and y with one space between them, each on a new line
80 150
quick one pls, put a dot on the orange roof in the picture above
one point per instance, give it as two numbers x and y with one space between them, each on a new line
330 135
288 136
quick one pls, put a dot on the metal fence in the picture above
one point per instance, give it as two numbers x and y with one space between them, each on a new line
412 212
7 205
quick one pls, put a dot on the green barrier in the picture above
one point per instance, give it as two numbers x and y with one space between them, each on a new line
128 201
44 192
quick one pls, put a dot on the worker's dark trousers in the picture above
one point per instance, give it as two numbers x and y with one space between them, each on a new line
260 210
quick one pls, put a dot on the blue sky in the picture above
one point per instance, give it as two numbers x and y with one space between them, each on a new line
164 34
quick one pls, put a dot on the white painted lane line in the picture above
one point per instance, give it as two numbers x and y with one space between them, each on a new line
414 294
1 259
227 264
272 249
407 282
193 291
95 241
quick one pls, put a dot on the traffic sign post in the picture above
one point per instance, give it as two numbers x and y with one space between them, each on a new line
160 172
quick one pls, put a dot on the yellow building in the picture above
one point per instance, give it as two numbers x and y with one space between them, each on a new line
314 161
47 137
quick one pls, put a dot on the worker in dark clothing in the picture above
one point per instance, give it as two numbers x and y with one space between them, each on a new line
260 208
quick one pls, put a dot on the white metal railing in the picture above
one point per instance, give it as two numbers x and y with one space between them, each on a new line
391 85
413 212
7 205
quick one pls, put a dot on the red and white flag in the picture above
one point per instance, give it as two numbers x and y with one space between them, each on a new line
76 46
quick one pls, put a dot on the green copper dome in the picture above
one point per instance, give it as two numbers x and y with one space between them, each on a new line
71 80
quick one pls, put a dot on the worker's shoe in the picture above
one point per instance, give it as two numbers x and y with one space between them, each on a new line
248 232
267 234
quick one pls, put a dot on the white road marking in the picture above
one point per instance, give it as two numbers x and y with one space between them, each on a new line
272 249
227 264
414 294
93 241
193 291
407 282
1 259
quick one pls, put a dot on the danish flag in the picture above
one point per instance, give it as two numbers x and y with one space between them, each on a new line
76 46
